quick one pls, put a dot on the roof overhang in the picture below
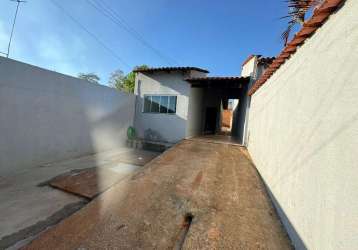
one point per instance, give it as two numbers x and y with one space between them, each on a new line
219 82
170 69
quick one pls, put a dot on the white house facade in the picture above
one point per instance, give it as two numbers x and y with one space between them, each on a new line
162 107
174 103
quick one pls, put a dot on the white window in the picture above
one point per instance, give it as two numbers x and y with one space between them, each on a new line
162 104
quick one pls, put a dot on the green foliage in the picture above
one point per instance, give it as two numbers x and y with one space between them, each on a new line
91 77
116 80
124 83
297 10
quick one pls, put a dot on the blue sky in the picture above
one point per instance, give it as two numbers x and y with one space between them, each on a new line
216 35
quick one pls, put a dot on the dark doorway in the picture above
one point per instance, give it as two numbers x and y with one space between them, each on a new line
210 120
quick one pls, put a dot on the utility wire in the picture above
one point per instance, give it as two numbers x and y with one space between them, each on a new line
91 34
112 15
121 22
138 35
13 25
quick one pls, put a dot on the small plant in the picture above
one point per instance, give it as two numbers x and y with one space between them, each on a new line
297 10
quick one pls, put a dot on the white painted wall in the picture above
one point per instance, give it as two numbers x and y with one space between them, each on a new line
169 127
46 116
303 136
241 113
249 68
195 112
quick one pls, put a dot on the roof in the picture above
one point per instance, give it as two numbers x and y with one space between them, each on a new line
248 59
319 17
218 78
265 60
219 81
151 70
261 60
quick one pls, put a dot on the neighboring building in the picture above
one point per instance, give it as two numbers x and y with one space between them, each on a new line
174 103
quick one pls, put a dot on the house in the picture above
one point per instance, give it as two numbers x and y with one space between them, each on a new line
174 103
162 107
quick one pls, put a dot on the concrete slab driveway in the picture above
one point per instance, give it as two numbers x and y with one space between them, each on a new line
197 195
28 205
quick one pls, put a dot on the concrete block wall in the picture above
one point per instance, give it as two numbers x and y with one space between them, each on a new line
46 116
303 136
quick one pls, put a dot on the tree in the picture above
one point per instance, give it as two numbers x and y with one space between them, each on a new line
124 83
297 13
91 77
116 79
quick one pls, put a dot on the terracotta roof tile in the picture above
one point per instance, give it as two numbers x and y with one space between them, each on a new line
285 55
297 40
318 18
279 60
312 23
328 8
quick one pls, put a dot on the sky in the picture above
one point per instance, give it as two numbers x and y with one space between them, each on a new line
72 36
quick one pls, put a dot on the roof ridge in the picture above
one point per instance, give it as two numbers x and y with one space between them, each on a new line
184 68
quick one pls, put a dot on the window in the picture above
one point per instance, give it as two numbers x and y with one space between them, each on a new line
162 104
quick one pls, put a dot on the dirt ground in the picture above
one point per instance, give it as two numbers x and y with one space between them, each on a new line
197 195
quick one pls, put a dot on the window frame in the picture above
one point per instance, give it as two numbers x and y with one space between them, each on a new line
160 95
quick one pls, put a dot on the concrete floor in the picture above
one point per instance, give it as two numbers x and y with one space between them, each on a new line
29 206
219 138
196 195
